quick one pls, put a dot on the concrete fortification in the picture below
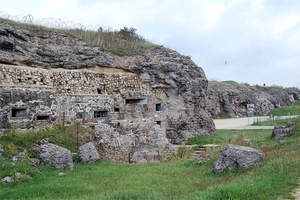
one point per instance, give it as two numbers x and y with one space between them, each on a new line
138 105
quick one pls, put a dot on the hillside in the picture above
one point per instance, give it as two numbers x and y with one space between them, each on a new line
230 99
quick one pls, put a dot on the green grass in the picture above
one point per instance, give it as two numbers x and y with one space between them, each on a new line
277 122
174 179
285 111
230 82
14 141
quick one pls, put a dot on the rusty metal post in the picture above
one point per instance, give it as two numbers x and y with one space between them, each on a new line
63 119
129 159
77 125
158 155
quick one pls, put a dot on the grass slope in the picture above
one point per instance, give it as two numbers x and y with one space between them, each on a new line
175 179
285 111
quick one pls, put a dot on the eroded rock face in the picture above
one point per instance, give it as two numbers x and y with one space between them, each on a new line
55 156
48 50
238 157
185 85
88 153
230 100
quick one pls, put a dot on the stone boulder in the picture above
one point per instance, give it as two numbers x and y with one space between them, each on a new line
88 153
238 157
282 132
56 156
20 157
7 179
17 176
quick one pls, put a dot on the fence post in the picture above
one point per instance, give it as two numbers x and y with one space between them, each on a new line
77 144
63 119
129 161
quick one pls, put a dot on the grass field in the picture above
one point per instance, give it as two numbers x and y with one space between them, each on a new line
177 178
277 122
286 110
277 112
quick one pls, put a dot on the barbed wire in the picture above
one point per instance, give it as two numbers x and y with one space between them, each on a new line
53 22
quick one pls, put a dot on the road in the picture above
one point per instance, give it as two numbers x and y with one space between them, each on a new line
244 122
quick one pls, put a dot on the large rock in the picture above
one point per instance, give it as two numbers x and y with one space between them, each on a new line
238 157
56 156
88 153
281 131
17 176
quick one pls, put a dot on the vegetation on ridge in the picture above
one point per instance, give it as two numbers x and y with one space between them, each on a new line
286 110
123 42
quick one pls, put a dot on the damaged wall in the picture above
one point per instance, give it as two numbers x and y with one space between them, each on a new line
129 123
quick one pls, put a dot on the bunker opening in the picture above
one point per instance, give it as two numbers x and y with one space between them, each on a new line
18 112
42 117
136 101
158 107
100 114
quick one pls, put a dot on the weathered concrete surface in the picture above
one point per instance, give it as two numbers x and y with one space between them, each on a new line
185 85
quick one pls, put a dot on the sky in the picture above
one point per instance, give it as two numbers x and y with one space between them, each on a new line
248 41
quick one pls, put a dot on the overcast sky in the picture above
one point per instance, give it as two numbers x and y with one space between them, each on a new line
259 39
